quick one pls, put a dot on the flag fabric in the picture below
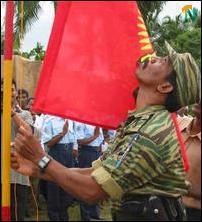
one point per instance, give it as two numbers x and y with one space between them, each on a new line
88 73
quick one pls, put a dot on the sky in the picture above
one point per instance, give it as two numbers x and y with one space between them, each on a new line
41 29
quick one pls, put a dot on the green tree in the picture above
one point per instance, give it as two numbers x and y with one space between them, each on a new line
183 35
32 10
150 11
15 47
36 53
31 13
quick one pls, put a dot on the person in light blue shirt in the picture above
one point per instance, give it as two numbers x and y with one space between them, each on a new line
60 139
54 127
90 140
85 131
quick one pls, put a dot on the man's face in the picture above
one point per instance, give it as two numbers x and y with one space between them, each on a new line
13 95
154 72
30 104
23 99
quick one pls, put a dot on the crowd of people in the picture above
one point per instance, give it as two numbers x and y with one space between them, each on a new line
143 157
71 143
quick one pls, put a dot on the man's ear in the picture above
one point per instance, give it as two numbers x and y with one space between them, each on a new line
165 88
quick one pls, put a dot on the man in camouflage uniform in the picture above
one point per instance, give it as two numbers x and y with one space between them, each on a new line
190 126
142 171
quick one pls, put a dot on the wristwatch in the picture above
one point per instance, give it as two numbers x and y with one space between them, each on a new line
43 162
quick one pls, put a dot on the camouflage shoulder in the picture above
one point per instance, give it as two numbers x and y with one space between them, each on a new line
160 127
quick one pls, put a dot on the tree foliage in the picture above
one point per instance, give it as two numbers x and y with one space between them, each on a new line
36 53
150 11
31 13
184 36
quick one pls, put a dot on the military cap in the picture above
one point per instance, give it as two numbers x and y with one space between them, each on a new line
188 76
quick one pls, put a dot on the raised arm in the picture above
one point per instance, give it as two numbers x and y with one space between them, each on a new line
77 182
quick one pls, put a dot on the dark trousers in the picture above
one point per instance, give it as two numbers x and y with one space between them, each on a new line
150 208
21 198
193 214
31 206
58 200
88 154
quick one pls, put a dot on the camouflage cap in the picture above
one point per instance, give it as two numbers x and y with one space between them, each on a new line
188 76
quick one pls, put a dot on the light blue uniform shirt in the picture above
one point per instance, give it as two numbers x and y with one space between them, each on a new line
53 126
40 124
84 131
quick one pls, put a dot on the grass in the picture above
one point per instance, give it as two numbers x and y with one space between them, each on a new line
74 212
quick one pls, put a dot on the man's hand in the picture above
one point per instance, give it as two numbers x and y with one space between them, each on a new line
65 128
196 127
197 112
183 111
17 108
97 131
28 146
23 166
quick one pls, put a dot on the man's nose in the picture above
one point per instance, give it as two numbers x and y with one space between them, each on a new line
155 59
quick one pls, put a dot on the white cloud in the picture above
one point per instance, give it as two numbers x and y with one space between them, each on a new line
41 29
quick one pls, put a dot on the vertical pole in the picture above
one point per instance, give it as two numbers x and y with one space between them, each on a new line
6 131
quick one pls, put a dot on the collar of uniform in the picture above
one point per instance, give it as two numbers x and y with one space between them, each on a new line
146 110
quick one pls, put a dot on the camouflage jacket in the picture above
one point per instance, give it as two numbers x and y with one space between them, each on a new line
144 158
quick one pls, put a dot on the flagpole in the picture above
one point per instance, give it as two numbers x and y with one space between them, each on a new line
6 131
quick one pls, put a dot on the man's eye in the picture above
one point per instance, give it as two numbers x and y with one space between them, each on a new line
146 58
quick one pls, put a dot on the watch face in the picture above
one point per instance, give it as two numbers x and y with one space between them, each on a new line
46 159
42 164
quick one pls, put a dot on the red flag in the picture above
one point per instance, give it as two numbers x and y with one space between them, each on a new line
88 71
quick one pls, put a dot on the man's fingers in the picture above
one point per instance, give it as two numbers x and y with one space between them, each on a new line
14 160
18 144
197 111
21 148
13 154
15 165
25 131
21 142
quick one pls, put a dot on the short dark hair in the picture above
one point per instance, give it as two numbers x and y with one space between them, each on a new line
172 103
23 91
14 83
